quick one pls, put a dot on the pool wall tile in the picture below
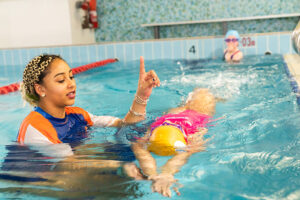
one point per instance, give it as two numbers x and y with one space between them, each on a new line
101 49
2 59
33 53
163 50
76 55
120 51
66 55
157 50
284 44
23 58
219 46
110 51
262 44
84 54
16 57
184 49
187 48
92 51
10 57
167 49
192 49
148 50
138 50
251 51
273 43
177 49
200 49
128 52
207 48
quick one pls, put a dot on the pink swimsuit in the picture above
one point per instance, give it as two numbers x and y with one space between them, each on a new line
188 121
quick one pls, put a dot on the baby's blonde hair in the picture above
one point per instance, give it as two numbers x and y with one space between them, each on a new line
202 101
34 73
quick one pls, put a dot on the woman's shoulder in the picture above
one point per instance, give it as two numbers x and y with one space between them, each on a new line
75 110
33 116
36 128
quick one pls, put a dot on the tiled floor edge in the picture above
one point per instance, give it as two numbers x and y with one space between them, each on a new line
147 40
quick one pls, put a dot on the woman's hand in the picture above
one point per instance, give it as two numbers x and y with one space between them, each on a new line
147 81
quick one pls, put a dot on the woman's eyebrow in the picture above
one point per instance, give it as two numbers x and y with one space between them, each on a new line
62 73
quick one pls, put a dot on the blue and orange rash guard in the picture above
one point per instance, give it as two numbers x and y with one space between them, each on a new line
41 128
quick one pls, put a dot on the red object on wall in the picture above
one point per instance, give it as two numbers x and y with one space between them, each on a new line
91 7
16 86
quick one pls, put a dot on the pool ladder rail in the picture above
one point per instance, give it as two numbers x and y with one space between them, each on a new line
296 38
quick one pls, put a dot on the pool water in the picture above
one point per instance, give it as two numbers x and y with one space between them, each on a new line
253 152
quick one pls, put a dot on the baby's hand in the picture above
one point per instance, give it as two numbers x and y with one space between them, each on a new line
197 137
196 141
161 184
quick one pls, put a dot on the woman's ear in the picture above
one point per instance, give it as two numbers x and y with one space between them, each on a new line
40 90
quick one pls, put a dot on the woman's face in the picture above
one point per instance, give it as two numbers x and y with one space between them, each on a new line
232 43
59 85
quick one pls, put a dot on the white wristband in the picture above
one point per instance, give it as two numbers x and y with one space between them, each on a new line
137 113
139 100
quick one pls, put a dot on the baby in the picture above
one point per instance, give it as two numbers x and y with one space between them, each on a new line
178 134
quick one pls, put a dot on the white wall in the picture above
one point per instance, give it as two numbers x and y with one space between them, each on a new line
39 23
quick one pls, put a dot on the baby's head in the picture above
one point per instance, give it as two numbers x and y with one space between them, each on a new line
166 140
33 74
201 101
232 38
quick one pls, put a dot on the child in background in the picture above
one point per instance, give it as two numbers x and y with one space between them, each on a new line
232 53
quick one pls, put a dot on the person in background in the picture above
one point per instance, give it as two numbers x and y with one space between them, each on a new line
232 53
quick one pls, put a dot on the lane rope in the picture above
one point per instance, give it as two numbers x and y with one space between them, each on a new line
16 86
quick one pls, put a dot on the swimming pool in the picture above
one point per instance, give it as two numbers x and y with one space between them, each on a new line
253 152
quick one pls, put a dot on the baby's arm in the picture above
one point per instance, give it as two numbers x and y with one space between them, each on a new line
163 181
174 164
177 110
144 157
195 144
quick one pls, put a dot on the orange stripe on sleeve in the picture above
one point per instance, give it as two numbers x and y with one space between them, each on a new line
22 130
40 123
77 110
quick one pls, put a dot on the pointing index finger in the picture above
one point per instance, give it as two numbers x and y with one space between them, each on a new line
142 66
